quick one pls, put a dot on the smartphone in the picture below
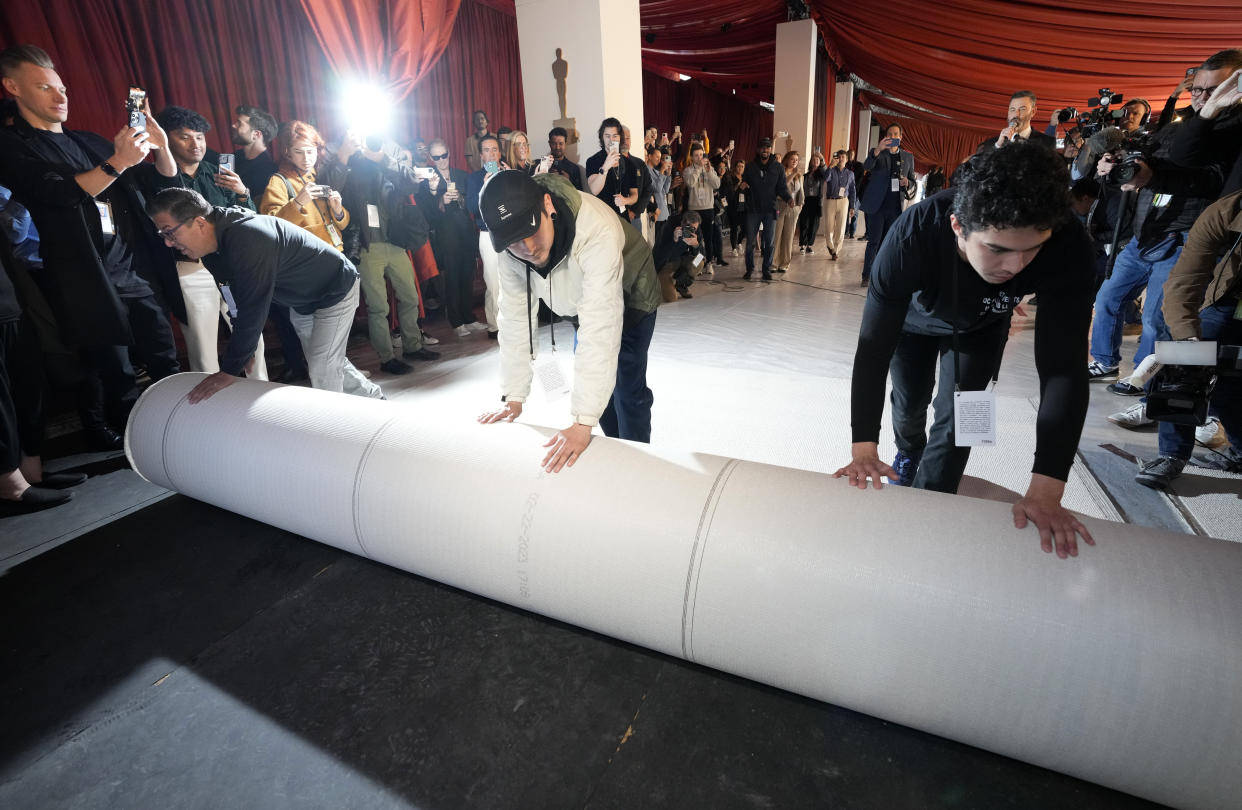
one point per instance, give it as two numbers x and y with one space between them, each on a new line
319 190
133 108
1190 71
730 144
677 129
424 172
895 142
451 188
226 162
614 146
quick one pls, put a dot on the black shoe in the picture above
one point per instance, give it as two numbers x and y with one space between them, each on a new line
290 376
1123 389
493 335
721 263
104 439
810 249
423 354
32 500
1159 473
778 269
746 276
684 293
59 480
767 276
396 367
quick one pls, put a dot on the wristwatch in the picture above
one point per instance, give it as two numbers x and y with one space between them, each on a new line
109 170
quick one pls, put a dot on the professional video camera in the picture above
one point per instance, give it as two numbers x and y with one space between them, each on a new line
1137 145
1098 116
1181 390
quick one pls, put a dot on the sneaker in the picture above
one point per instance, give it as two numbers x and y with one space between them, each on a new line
1227 459
810 249
721 263
475 326
1123 389
684 293
422 354
802 248
1098 371
1133 417
906 467
462 331
779 269
429 340
767 276
746 276
395 367
1160 473
1204 434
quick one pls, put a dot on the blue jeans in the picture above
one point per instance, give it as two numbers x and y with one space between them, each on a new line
753 218
628 415
1216 323
913 371
1131 273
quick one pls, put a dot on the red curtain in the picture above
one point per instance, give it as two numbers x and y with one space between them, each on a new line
209 57
933 144
667 103
479 69
392 42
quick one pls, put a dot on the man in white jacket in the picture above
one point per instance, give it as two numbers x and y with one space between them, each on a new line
571 251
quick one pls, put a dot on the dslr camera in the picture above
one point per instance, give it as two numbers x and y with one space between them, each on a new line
1139 145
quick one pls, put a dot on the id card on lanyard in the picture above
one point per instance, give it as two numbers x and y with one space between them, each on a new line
106 223
974 412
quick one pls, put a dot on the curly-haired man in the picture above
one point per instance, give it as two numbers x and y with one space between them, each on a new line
943 289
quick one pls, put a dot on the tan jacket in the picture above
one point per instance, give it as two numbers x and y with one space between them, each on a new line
314 217
1198 280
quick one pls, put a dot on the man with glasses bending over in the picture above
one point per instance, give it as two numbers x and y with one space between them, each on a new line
266 259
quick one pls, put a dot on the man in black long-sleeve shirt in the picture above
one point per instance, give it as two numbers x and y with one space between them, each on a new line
943 289
762 182
265 259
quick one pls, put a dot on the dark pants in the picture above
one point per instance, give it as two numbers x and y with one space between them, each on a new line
628 415
877 227
808 222
290 345
737 226
913 372
456 251
753 219
114 388
1216 323
851 224
710 234
21 394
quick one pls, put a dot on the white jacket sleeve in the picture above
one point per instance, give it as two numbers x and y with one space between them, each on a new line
514 337
598 245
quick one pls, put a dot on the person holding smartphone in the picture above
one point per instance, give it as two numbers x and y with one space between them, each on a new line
892 182
292 193
607 172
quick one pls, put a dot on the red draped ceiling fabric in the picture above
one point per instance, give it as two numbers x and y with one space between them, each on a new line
390 42
962 61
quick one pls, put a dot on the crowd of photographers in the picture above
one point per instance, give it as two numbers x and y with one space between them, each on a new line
1160 194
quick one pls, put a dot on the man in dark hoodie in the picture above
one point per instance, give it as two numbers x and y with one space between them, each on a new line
762 182
267 259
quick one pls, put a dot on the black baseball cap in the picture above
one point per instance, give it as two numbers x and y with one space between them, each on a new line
765 142
510 204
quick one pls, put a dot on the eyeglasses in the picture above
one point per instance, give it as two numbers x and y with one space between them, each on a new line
1203 91
167 234
441 156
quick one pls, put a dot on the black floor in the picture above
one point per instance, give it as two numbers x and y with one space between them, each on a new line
187 657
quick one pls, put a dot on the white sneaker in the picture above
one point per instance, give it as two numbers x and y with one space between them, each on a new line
477 327
462 331
1204 434
429 340
1133 417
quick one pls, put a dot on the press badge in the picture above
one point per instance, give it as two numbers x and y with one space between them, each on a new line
698 260
896 185
974 418
373 215
337 242
551 376
105 218
741 198
841 191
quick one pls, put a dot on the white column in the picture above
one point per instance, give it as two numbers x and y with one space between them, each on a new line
864 134
795 85
599 42
840 134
